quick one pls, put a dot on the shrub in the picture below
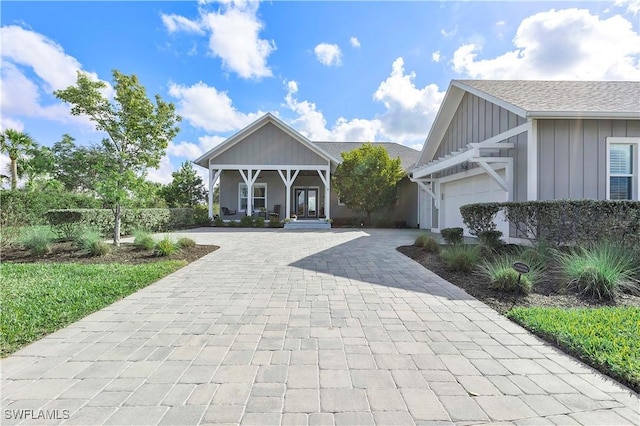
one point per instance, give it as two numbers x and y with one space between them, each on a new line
142 239
490 239
232 224
503 277
65 222
166 247
201 215
185 242
601 270
452 236
537 256
259 222
480 217
38 240
461 257
273 223
32 205
427 243
247 221
218 221
91 242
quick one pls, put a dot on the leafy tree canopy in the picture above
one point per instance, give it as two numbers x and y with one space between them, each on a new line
138 131
186 189
366 179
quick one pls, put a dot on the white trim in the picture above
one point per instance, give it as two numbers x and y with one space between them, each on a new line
635 163
592 115
317 188
214 175
469 173
532 162
269 166
254 185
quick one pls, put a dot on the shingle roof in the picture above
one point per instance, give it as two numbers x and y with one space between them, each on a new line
606 97
408 156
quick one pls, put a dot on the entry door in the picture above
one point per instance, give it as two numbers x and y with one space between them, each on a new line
306 202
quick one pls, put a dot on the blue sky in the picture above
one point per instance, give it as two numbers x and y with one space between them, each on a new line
332 70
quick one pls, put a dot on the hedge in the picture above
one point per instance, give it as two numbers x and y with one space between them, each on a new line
154 220
29 208
561 222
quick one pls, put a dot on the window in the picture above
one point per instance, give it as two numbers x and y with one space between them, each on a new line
259 196
622 168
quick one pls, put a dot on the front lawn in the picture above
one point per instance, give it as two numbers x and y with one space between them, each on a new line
40 298
608 338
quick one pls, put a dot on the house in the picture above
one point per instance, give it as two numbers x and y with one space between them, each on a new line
528 140
269 167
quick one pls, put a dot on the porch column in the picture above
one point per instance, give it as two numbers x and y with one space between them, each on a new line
288 181
326 180
214 175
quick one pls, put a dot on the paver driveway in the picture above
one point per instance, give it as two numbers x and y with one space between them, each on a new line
304 328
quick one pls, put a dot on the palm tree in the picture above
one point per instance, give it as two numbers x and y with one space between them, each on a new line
15 144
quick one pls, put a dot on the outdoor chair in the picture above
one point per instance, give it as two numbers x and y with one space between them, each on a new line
275 214
227 212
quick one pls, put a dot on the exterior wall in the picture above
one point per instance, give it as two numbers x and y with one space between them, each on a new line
572 156
270 146
476 120
406 209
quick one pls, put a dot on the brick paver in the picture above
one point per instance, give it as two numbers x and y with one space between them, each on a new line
331 327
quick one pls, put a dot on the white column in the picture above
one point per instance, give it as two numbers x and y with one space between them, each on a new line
532 161
211 194
288 181
327 195
250 193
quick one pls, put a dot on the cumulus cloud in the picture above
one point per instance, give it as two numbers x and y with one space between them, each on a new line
632 6
190 150
24 49
561 44
354 42
207 108
10 123
234 37
163 173
435 56
409 110
328 54
176 23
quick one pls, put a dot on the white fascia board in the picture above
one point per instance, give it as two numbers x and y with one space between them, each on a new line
446 163
583 114
267 167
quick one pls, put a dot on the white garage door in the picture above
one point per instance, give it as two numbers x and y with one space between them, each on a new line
476 189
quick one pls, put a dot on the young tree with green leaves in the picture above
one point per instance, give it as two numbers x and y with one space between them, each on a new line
15 144
138 133
186 189
366 179
76 166
37 167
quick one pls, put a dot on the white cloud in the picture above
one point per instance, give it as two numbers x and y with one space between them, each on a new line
163 173
235 39
10 123
565 44
435 56
447 34
354 42
208 142
205 107
410 110
176 23
328 54
633 6
192 150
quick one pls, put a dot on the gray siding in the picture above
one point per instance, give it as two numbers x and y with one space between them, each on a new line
475 121
269 145
572 156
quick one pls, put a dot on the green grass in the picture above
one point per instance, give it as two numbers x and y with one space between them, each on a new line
38 299
607 338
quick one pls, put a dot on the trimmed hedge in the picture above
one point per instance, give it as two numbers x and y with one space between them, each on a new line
154 220
561 222
29 208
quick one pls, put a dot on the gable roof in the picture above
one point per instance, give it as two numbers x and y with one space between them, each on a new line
534 98
408 156
539 99
203 160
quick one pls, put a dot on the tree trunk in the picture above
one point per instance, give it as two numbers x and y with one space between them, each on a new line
116 228
14 173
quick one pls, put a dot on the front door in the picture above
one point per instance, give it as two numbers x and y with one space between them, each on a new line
306 203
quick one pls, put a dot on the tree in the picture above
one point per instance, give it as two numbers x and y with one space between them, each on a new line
76 166
37 165
15 144
138 133
366 179
186 189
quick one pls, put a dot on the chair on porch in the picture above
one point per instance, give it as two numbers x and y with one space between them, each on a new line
275 214
227 212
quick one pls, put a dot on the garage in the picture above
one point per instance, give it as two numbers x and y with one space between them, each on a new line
480 188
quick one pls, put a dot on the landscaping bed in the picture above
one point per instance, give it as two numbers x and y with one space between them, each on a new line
603 333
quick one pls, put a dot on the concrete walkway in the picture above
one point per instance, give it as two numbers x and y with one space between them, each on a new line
297 328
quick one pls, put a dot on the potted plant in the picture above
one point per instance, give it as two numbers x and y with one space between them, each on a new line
294 217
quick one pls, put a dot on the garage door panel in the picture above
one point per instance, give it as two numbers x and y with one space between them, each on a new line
476 189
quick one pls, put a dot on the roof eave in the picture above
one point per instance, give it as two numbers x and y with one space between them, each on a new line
622 115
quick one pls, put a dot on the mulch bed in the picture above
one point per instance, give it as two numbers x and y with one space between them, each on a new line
67 252
548 293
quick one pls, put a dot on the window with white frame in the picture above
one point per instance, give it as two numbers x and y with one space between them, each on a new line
259 196
622 167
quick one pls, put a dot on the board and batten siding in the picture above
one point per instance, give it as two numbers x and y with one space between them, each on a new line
572 156
475 120
269 146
